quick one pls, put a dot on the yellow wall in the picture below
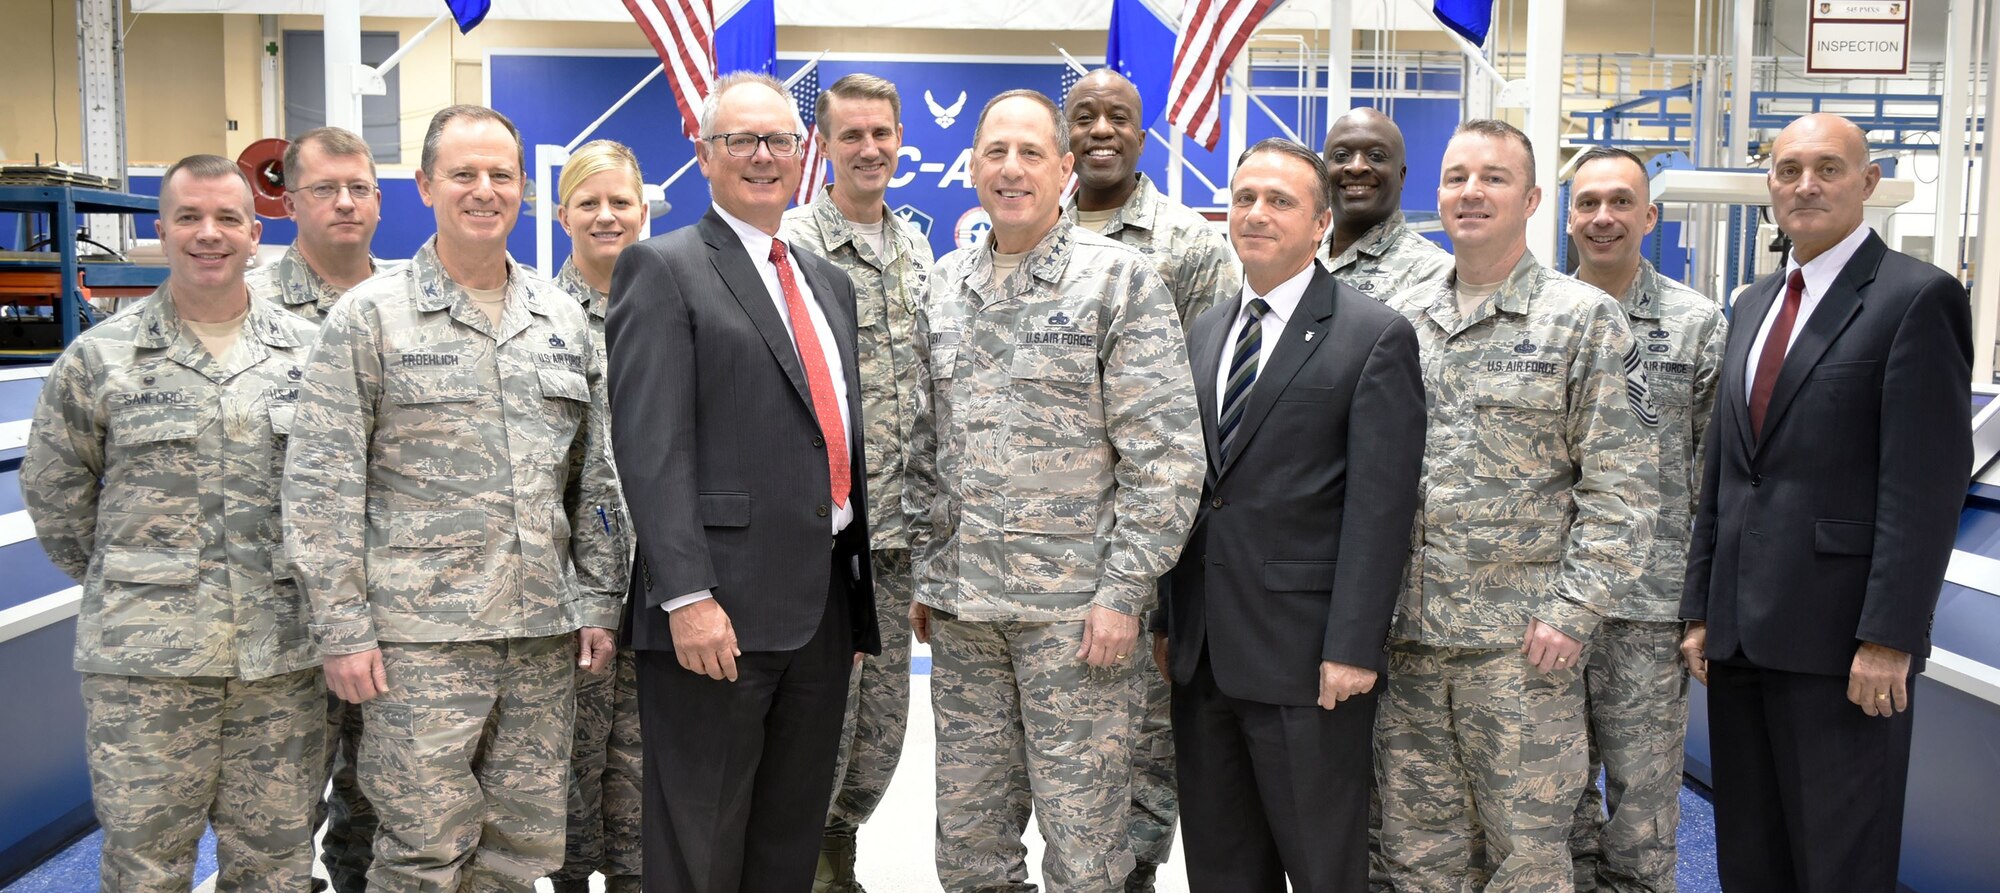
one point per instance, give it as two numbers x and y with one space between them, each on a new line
187 76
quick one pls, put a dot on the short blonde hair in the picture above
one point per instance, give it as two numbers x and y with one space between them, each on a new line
596 157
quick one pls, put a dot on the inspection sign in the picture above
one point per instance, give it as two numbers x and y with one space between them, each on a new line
1858 37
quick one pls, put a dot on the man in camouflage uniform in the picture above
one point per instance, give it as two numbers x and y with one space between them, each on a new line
1635 685
453 514
1059 456
1538 497
329 256
334 199
1370 246
860 129
151 474
1107 131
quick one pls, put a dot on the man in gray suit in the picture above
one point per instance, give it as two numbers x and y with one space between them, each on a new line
753 590
1312 402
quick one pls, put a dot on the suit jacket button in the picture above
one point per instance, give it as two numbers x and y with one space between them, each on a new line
1215 503
822 511
819 441
1756 480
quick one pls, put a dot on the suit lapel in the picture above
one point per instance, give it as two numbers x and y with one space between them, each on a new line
737 271
1211 330
1302 337
1748 314
1836 309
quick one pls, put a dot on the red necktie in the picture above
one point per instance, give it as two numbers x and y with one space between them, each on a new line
825 405
1775 345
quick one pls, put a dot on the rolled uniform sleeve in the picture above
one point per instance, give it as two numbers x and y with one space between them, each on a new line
1152 421
62 466
326 478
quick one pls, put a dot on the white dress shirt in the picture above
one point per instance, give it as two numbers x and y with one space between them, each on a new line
1284 301
758 244
1820 272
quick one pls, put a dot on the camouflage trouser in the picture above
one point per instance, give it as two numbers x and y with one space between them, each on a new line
466 760
604 775
170 756
349 844
1477 746
1023 723
878 703
1155 803
1637 694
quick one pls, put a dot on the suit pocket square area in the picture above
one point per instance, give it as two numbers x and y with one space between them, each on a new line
1299 576
1843 537
725 510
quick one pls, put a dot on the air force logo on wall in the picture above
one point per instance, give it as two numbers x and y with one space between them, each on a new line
915 218
971 226
945 115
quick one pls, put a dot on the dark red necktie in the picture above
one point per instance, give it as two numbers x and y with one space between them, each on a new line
1772 360
826 406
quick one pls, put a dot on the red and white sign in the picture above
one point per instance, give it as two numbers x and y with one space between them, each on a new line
1858 37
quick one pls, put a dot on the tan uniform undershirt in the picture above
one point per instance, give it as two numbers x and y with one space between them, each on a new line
1004 265
490 301
1472 294
218 338
1095 221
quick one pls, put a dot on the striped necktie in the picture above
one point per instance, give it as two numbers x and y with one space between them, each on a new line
1242 374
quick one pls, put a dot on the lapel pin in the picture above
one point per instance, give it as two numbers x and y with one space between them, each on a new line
1309 335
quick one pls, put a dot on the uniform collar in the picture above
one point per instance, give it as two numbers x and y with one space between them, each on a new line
1642 298
436 290
1513 297
159 324
837 231
1046 261
571 281
1140 211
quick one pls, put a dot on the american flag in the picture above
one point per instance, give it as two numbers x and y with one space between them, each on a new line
805 94
1071 73
1212 33
683 33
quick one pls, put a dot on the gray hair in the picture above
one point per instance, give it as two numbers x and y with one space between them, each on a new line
1056 122
712 105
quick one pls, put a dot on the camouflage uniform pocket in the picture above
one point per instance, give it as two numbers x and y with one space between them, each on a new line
1054 401
1050 545
1518 429
147 598
564 395
429 562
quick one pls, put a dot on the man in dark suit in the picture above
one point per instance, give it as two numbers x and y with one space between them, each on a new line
1836 468
738 454
1312 402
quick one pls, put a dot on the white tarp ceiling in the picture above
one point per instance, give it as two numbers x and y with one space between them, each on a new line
1016 15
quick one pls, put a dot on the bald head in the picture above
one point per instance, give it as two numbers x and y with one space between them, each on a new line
1365 156
1102 79
1107 130
1820 180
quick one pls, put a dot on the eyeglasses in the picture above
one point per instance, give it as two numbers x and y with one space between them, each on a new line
326 191
744 145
